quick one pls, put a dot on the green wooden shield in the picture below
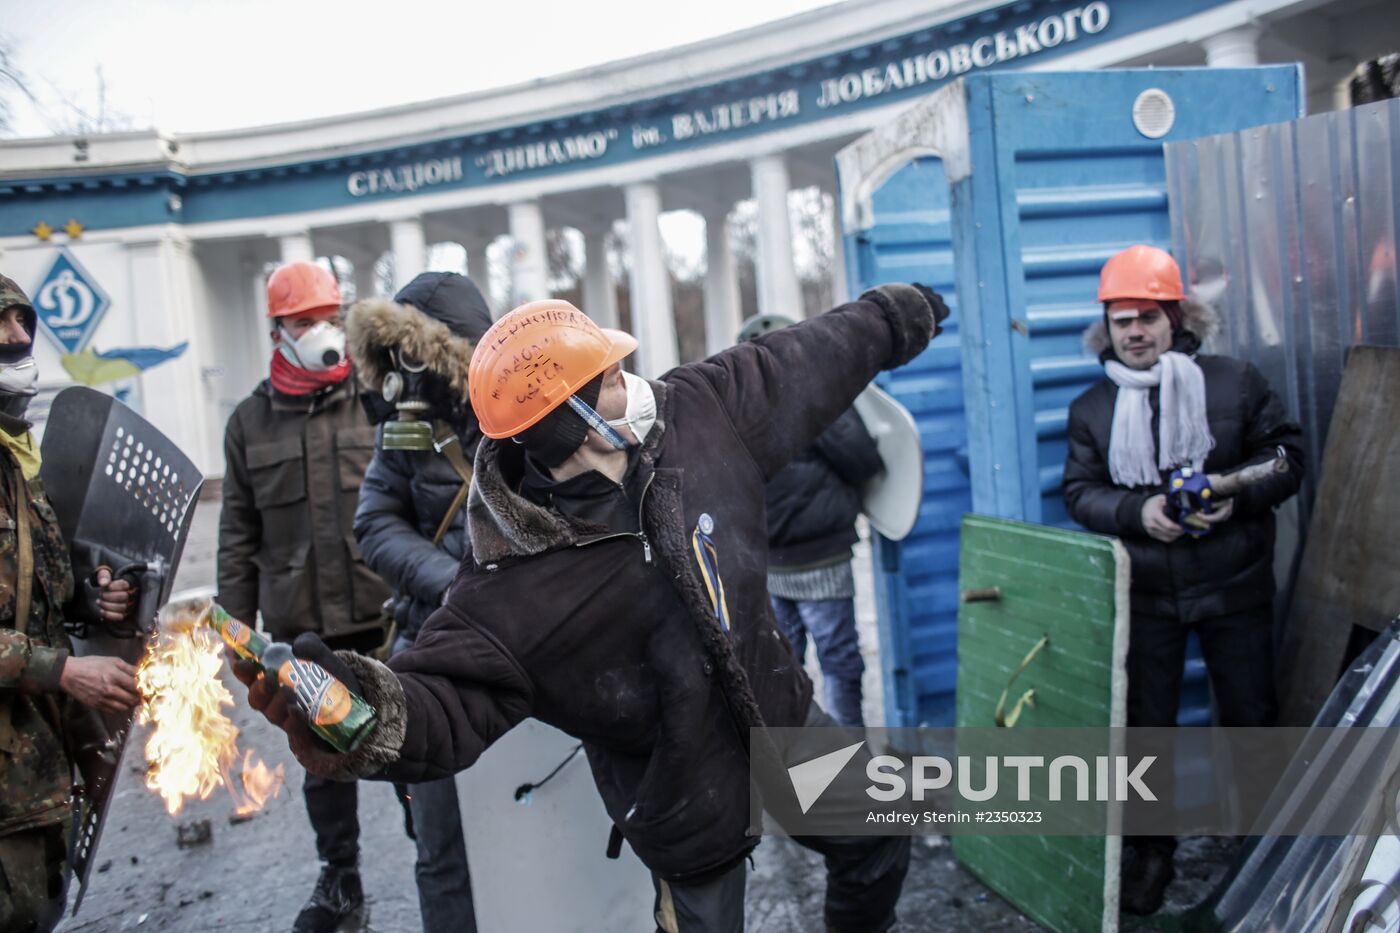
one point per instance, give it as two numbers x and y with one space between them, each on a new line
1060 599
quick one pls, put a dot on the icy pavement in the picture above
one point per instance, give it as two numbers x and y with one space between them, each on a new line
255 875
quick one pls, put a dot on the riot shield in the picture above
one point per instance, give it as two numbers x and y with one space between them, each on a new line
891 500
124 495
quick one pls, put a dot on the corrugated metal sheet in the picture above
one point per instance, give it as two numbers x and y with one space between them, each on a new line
1290 231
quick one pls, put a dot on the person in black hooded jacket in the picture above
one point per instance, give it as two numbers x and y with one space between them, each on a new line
812 507
412 353
616 589
1123 448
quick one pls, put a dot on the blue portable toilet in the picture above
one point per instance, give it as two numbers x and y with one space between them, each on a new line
1007 192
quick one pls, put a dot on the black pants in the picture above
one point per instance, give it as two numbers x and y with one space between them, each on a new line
333 807
1239 655
864 877
33 880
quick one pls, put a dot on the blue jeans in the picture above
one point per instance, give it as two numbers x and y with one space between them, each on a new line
832 625
444 883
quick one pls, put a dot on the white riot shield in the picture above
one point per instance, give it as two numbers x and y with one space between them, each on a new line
555 837
891 500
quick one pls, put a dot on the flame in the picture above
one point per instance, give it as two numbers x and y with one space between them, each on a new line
193 746
259 784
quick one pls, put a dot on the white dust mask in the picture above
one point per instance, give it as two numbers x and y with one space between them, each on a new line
320 348
641 407
19 378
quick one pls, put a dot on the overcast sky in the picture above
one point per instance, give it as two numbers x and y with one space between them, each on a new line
190 65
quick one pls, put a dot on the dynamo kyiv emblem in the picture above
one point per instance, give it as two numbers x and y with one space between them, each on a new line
69 303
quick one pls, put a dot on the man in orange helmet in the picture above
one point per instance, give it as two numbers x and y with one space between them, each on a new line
295 452
1164 405
617 590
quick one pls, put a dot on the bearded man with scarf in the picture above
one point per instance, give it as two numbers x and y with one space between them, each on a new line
296 451
1164 405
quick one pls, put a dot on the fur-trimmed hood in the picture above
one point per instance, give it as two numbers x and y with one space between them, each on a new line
375 325
1200 319
436 318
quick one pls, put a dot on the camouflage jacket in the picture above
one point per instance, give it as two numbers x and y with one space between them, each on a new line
35 774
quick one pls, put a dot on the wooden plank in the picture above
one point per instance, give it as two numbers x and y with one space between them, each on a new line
1349 574
1074 587
1004 863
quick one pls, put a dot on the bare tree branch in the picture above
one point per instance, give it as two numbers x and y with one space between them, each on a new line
12 81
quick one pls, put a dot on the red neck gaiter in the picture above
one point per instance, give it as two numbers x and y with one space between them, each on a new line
290 379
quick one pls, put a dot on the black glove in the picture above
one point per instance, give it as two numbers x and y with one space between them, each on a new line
935 301
309 647
277 702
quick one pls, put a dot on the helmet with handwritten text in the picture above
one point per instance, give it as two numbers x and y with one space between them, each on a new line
533 359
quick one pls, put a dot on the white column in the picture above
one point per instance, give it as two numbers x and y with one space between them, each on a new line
173 395
529 261
840 293
477 267
296 247
599 295
410 249
778 291
722 306
653 314
1237 48
365 285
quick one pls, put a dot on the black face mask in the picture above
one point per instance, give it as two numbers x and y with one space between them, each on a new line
14 405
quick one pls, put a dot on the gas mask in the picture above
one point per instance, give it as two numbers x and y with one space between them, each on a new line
405 388
641 407
320 348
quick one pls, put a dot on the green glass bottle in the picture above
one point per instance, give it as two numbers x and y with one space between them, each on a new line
333 712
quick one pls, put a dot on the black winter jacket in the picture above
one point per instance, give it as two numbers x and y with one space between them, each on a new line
436 319
814 500
612 637
403 498
1231 569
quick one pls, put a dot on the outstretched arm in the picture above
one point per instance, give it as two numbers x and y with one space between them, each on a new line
783 389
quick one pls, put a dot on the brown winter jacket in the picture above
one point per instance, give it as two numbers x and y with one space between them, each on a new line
612 637
286 547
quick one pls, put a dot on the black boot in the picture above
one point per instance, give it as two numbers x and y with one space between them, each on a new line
338 895
1147 870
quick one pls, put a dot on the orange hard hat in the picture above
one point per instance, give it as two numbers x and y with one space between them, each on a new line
533 359
299 287
1141 272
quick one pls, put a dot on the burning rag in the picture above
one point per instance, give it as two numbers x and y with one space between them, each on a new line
1183 434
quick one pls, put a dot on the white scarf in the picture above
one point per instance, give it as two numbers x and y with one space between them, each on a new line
1184 433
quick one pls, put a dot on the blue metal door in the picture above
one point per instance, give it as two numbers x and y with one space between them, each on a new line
918 616
1044 176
